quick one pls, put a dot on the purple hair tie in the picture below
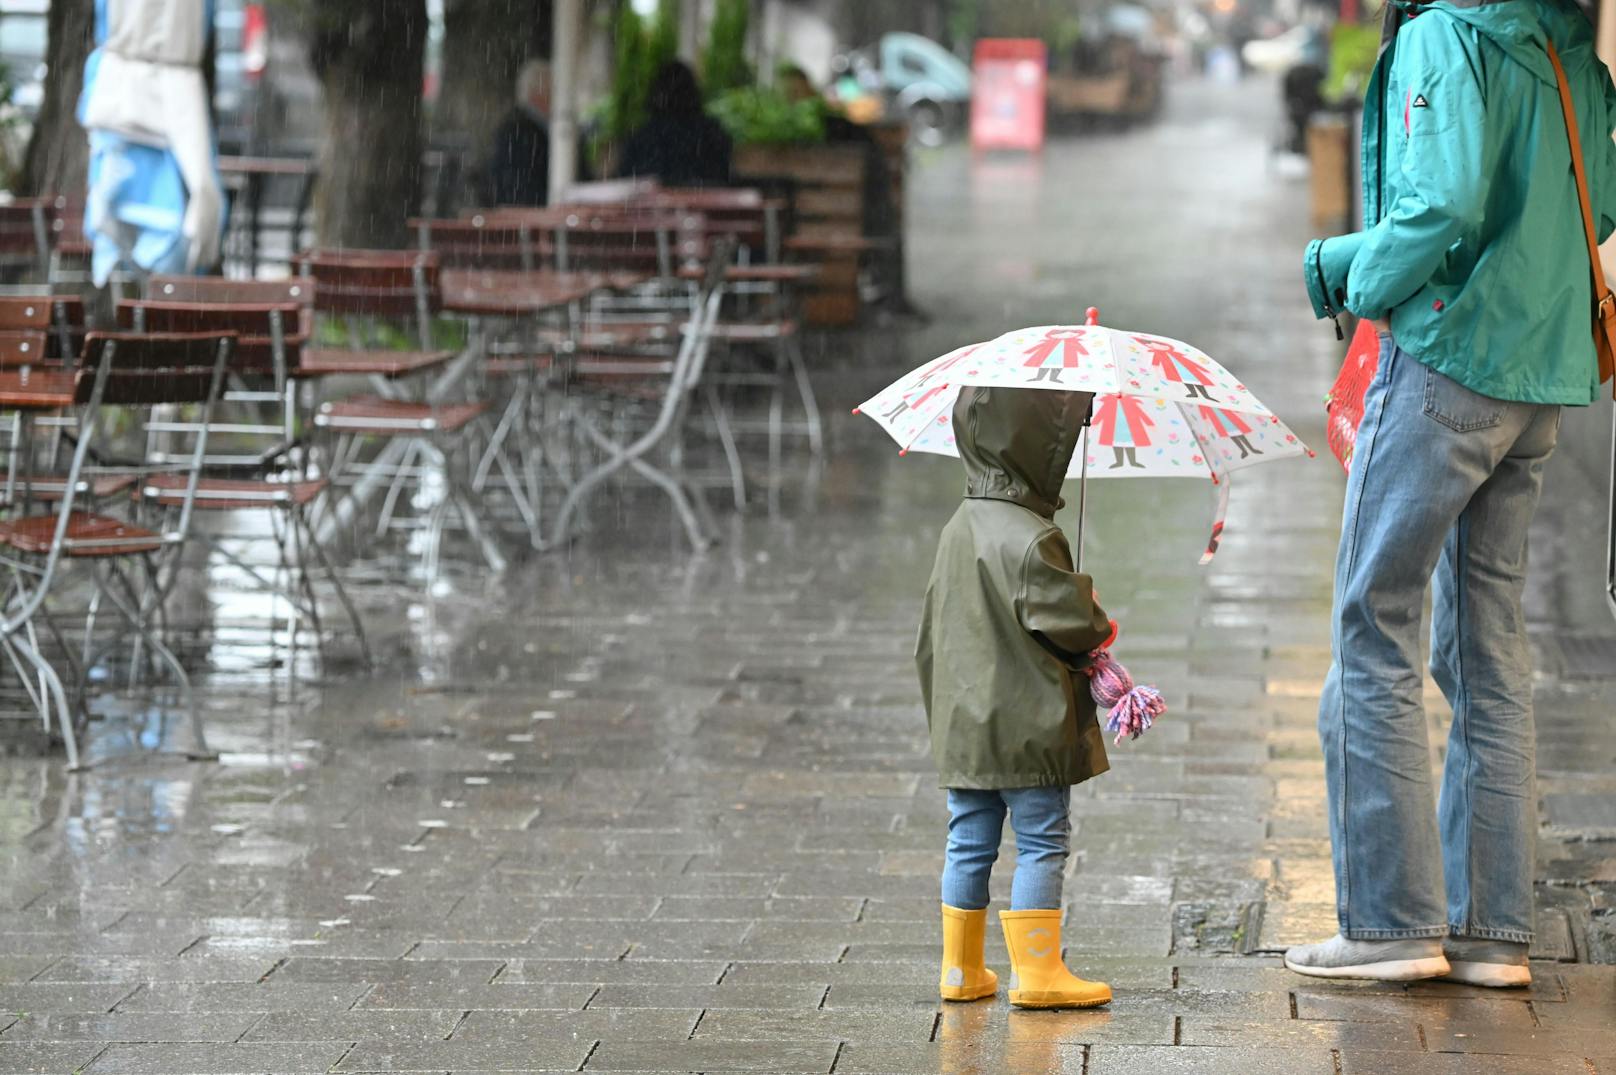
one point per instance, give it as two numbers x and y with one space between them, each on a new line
1133 708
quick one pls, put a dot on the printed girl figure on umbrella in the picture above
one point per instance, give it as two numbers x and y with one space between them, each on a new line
904 404
1229 425
1177 367
1121 424
1061 348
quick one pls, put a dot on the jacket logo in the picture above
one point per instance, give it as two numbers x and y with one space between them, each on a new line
1421 102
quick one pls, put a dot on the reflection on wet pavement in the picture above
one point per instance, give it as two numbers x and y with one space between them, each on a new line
625 810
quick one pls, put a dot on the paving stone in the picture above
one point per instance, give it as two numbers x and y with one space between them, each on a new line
961 1056
616 1024
433 996
62 997
613 971
1298 1033
518 1055
54 1058
384 1025
237 997
1188 1060
130 1026
999 1022
1429 1011
777 1025
708 996
780 1056
448 971
1522 1042
1370 1062
212 969
283 1059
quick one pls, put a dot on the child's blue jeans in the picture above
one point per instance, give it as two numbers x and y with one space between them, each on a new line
1041 818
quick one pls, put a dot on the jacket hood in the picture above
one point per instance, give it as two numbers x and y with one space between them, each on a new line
1518 27
1018 442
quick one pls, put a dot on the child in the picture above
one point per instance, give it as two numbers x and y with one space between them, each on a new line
1005 636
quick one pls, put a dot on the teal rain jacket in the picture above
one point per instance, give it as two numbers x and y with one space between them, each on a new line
1473 239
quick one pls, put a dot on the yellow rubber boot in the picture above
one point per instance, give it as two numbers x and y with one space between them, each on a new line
1039 978
965 975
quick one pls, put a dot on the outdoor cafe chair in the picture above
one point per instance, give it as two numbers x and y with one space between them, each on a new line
133 562
257 464
26 229
45 331
645 401
481 241
381 297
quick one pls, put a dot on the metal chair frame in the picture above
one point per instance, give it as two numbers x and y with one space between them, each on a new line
275 332
147 378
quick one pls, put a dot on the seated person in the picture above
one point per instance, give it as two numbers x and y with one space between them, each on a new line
680 145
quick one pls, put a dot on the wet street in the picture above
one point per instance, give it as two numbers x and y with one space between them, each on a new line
628 810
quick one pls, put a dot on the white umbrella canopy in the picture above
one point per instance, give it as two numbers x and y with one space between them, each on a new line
1162 408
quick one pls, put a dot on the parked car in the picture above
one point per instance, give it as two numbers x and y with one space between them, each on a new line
917 80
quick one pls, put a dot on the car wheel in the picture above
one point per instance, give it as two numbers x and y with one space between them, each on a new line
928 124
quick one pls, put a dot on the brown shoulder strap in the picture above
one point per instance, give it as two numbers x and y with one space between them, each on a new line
1601 289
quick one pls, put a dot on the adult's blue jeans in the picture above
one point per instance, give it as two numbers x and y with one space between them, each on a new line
1442 490
1042 820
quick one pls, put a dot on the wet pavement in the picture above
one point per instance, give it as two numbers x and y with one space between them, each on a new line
626 810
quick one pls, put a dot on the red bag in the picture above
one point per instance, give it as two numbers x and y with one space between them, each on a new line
1345 403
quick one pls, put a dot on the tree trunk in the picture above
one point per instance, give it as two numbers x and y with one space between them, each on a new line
369 55
485 44
58 153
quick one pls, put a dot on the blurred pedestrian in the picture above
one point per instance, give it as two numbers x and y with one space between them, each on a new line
1475 269
679 144
1005 639
518 168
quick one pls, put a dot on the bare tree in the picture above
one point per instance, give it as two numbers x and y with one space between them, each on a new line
370 58
58 149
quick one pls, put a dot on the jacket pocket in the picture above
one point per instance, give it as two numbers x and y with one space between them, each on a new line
1457 407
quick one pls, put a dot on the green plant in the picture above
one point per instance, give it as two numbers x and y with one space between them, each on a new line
1353 49
765 115
639 52
723 64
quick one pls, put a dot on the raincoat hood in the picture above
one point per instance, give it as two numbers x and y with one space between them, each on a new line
1518 27
1017 443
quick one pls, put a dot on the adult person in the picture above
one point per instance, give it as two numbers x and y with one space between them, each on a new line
679 144
517 171
1475 270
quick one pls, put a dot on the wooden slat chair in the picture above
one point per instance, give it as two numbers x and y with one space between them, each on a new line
133 561
367 292
41 331
258 463
61 317
481 241
26 228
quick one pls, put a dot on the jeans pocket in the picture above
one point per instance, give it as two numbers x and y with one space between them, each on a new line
1457 407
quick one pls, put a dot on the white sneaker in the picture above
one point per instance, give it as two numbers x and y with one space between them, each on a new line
1495 964
1386 961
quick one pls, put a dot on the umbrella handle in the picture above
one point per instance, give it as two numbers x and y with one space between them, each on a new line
1083 485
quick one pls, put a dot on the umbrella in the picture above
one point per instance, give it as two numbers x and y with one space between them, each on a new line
1162 408
154 200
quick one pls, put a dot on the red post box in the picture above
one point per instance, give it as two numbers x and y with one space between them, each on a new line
1007 94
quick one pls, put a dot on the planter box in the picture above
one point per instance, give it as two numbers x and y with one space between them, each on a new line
828 186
